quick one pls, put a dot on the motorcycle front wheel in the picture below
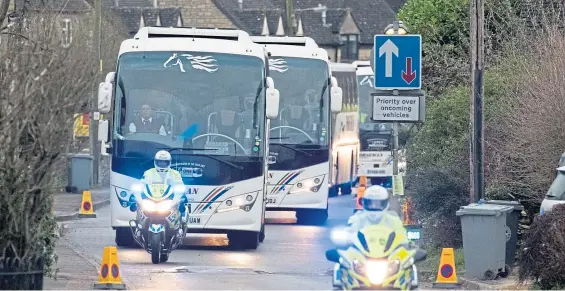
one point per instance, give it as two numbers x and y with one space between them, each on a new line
156 248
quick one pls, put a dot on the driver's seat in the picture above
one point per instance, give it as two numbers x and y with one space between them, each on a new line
228 122
296 116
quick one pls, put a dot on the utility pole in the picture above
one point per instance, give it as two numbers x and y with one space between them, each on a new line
94 114
289 18
395 28
476 158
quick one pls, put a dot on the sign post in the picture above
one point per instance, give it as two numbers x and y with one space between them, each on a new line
396 60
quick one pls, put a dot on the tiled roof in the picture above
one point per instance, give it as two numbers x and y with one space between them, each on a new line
74 6
127 3
131 17
63 6
396 4
372 16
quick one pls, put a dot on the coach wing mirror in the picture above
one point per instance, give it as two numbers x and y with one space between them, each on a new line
103 134
105 93
273 97
103 128
336 97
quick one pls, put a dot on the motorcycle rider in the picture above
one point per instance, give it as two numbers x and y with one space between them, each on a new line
376 210
376 207
163 174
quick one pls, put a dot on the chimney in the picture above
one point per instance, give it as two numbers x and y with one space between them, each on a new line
265 26
300 29
240 4
155 4
280 28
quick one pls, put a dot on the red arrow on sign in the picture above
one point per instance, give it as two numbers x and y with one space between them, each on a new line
408 76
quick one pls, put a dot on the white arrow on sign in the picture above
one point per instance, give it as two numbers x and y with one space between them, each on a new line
388 48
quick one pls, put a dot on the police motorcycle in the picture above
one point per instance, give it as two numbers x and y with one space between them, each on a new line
160 224
374 258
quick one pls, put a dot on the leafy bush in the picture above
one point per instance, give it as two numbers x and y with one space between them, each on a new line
435 174
543 252
438 156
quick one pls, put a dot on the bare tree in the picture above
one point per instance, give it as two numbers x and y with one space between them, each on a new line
526 135
43 86
4 6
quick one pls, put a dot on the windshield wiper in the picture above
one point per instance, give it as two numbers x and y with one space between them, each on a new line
322 100
205 155
294 149
255 105
119 136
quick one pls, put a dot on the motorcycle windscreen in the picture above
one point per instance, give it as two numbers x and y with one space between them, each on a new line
379 241
159 190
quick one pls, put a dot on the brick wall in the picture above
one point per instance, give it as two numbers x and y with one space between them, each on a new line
199 13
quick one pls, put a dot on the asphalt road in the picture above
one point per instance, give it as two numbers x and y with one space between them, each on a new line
291 257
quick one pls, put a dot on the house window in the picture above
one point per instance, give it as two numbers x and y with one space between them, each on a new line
350 47
67 35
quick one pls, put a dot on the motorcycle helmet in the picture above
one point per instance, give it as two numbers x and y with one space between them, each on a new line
375 199
162 161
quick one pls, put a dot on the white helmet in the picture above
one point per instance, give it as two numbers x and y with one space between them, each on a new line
375 199
162 161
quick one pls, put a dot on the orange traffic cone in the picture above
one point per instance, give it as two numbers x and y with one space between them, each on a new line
446 275
362 184
110 277
360 192
86 206
363 181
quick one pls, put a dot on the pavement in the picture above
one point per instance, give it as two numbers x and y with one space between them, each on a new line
67 205
291 257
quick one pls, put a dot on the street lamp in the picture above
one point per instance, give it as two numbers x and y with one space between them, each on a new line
402 29
397 27
319 9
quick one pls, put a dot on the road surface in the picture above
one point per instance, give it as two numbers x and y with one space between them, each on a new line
291 257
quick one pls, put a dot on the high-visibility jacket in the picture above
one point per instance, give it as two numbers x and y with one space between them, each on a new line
159 182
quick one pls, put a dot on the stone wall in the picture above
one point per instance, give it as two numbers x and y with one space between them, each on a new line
199 13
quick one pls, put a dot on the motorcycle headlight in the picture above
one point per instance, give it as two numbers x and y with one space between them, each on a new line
137 188
240 202
377 271
307 185
152 206
340 236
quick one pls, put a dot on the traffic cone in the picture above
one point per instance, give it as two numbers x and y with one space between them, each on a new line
360 192
446 274
363 181
86 206
110 277
362 184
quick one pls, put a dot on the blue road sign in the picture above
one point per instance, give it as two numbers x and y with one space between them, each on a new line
398 62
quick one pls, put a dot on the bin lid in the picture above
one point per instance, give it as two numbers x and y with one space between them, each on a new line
515 204
82 156
483 209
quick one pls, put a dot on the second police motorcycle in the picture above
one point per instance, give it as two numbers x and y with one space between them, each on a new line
374 251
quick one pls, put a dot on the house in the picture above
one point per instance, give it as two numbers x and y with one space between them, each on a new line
75 13
345 28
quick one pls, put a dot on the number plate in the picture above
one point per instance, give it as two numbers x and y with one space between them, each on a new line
414 234
271 200
376 171
193 220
